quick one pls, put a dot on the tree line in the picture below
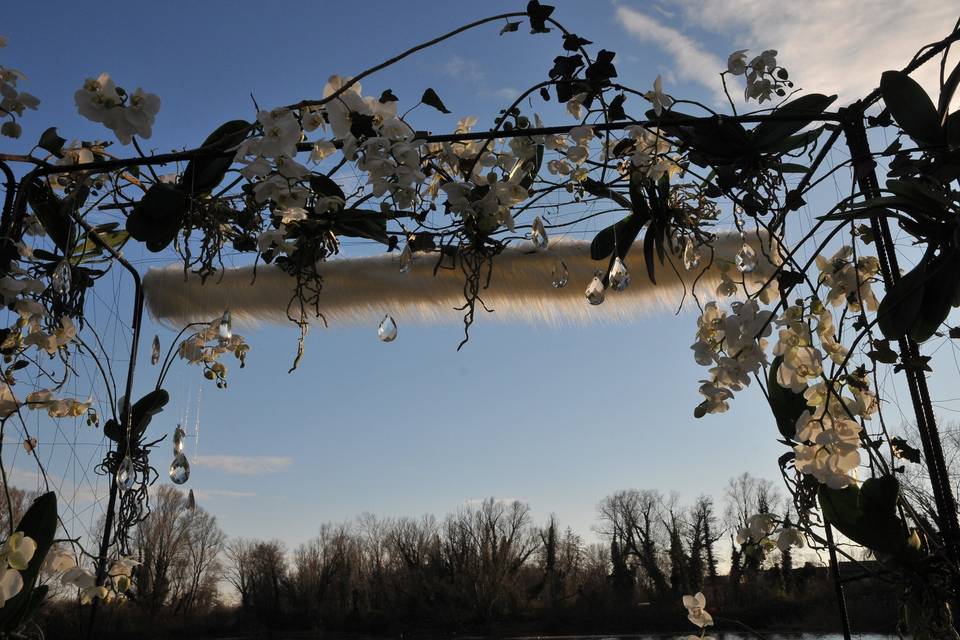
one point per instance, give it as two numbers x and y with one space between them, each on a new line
488 565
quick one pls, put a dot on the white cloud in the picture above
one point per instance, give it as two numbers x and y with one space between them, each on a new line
463 69
206 494
829 46
244 465
693 62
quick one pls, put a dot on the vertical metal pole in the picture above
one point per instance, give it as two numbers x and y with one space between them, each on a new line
916 381
838 584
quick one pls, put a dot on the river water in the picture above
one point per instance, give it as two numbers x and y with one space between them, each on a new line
718 636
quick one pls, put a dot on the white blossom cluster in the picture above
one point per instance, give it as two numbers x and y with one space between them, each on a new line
127 115
763 76
734 344
762 525
72 575
15 290
12 100
15 556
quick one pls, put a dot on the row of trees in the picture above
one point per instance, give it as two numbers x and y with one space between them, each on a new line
487 564
491 562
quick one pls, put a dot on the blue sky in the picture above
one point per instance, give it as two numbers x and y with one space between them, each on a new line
554 417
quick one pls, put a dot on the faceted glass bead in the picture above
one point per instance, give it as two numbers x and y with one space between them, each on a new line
179 469
387 331
126 474
619 277
539 234
595 292
560 275
746 259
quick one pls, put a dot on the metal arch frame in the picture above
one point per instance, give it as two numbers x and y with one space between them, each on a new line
851 124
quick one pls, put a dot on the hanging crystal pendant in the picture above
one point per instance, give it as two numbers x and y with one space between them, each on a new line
619 277
225 329
595 290
691 255
126 475
191 501
179 469
60 278
539 234
178 435
746 259
387 331
155 350
406 259
560 275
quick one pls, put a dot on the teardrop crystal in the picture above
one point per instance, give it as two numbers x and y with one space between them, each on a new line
539 234
746 259
691 255
178 435
406 259
387 331
126 474
595 290
560 275
225 329
155 350
619 276
191 501
60 279
179 469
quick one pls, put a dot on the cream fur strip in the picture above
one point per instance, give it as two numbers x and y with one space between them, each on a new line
363 290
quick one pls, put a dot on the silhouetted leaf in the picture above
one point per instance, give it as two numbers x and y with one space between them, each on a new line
158 216
510 27
538 15
910 106
769 133
39 523
202 175
787 405
573 42
430 98
50 141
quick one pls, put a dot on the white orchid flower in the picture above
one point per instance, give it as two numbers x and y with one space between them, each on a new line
657 97
60 561
696 611
11 582
19 550
790 537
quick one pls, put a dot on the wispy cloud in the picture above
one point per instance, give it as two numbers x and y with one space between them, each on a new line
207 494
829 46
463 69
692 61
244 465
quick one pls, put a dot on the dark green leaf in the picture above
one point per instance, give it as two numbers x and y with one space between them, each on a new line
50 212
39 523
50 141
911 107
806 109
158 216
902 449
325 187
787 405
538 16
431 99
202 175
509 27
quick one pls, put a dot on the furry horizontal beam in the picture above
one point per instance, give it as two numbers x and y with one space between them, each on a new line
363 290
